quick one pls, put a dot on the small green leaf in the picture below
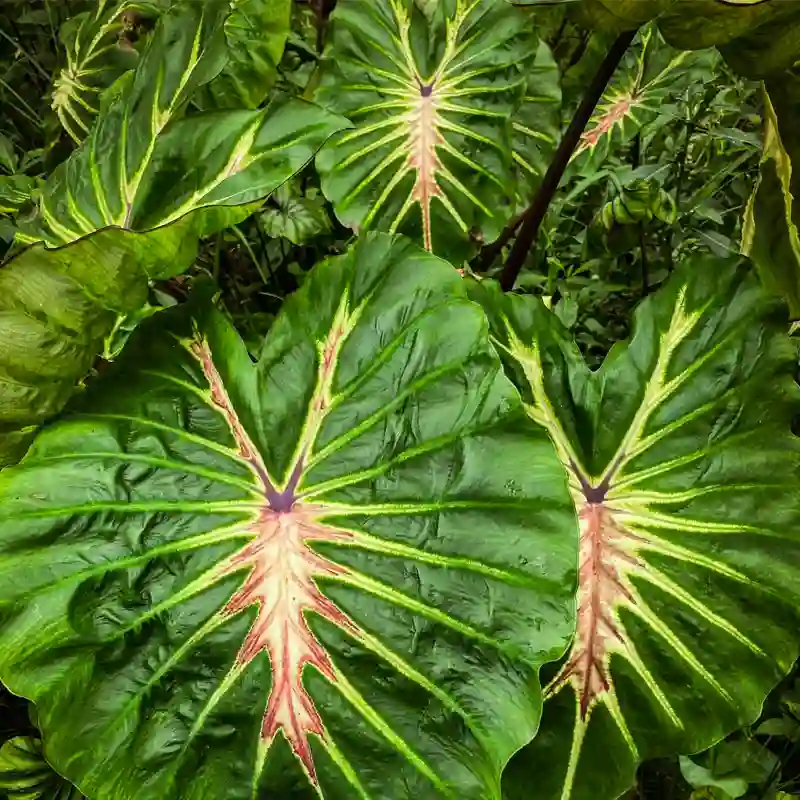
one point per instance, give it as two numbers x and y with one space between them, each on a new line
8 155
699 777
256 33
295 216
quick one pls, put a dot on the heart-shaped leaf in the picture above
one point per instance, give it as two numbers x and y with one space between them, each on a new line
686 477
335 572
432 98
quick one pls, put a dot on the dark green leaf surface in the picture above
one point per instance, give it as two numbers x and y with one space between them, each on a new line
25 775
335 572
432 100
686 477
770 235
256 33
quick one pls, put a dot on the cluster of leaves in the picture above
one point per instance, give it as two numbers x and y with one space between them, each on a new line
324 542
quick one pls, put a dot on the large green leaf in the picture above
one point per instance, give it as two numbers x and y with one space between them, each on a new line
256 33
686 477
25 775
335 572
99 48
432 99
770 234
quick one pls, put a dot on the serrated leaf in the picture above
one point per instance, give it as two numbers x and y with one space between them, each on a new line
256 33
25 775
335 572
432 102
99 47
685 474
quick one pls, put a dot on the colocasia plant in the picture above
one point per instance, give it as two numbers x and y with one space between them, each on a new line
405 543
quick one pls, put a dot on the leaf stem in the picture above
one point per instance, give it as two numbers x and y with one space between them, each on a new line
533 216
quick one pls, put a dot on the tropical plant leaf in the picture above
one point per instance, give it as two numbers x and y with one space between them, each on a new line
770 235
256 33
537 124
25 775
334 572
685 474
296 216
431 100
646 86
144 167
100 47
140 168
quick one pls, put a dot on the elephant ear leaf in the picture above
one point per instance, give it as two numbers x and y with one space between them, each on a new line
25 775
431 98
335 572
646 84
685 476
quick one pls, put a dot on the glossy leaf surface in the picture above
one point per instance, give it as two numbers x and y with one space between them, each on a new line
431 98
645 86
686 477
26 775
142 167
334 572
256 33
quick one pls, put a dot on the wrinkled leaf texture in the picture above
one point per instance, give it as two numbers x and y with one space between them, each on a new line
336 571
686 477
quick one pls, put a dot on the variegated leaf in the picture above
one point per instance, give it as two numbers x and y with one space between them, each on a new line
99 47
646 85
770 234
145 165
334 573
431 98
686 477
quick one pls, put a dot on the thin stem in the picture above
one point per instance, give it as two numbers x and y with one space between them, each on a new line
243 239
30 113
533 216
27 55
